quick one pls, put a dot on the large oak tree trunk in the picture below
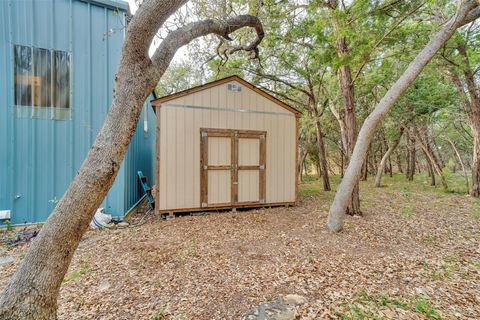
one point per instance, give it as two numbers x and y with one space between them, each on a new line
467 11
378 178
32 292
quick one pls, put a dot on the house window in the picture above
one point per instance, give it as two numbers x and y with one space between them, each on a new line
42 83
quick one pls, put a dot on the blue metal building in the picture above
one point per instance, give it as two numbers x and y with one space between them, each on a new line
58 60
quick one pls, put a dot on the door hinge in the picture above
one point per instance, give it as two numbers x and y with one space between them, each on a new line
262 137
204 205
236 182
204 134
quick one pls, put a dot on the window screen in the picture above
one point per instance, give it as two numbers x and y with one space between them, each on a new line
23 76
42 83
42 78
62 79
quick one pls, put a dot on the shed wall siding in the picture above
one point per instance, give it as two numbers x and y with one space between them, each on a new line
179 174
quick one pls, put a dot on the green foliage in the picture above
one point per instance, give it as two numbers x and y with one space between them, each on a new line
407 212
300 59
373 307
8 224
476 210
422 306
160 313
76 274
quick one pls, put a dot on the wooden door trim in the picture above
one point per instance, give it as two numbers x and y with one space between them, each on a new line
234 168
263 169
203 171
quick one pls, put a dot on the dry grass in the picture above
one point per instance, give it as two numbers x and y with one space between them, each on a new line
414 255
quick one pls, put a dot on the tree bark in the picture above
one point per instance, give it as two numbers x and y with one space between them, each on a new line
348 125
399 161
322 154
33 290
467 11
365 165
378 178
424 143
412 161
342 164
301 163
431 172
460 161
471 102
390 167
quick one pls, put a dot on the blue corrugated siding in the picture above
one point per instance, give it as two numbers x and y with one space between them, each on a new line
39 158
140 156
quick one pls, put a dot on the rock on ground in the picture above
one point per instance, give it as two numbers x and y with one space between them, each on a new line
283 308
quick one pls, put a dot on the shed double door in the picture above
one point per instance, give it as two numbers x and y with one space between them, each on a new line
232 167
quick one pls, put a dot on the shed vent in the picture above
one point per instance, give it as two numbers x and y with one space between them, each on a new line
234 87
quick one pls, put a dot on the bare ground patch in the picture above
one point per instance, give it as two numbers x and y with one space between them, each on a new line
414 255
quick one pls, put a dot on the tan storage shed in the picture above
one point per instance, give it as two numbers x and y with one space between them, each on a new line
225 144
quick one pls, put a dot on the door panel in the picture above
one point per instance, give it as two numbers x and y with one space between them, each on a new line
233 167
219 151
248 186
248 152
219 187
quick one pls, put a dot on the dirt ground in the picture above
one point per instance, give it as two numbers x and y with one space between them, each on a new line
414 255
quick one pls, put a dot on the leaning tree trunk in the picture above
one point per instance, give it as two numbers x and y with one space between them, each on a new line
378 178
467 11
32 292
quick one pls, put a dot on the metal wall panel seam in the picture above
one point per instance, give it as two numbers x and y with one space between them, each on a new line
174 105
72 86
32 128
52 123
11 114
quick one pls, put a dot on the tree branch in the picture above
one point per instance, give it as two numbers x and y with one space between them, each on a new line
180 37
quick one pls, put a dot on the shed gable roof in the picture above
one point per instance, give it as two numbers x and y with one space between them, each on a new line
157 102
